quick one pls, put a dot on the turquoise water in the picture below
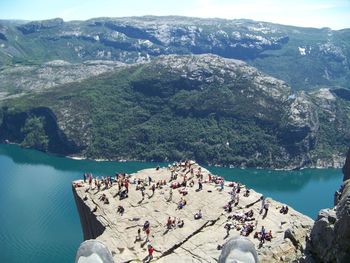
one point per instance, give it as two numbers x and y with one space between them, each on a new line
39 220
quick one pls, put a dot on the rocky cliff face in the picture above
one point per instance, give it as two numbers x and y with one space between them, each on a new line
92 227
330 235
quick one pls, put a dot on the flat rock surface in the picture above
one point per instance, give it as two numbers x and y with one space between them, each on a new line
198 240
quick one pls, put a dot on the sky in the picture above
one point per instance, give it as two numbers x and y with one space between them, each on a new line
307 13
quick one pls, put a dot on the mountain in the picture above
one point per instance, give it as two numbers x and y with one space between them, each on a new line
20 80
305 58
203 107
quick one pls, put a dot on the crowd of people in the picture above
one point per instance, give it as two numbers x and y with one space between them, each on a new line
183 175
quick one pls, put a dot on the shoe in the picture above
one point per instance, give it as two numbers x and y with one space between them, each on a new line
238 250
93 251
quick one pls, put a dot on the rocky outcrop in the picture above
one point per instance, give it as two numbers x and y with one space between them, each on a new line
36 26
197 240
346 167
330 235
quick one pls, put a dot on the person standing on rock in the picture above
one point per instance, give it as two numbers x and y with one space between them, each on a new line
126 184
222 185
153 189
170 195
266 208
148 231
149 257
262 204
90 181
200 185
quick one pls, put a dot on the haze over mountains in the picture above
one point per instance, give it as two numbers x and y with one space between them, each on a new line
186 96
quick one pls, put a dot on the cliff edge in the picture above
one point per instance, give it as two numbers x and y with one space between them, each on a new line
330 235
197 240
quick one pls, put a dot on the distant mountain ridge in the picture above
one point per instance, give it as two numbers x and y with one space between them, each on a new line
303 57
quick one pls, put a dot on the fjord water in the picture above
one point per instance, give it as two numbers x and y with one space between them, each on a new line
39 220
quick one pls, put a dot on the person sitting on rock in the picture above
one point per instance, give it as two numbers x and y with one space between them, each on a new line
181 204
247 229
180 223
228 207
103 198
183 191
120 210
268 236
198 215
247 193
123 193
284 209
146 225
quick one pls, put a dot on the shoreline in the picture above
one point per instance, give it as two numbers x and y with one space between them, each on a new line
82 157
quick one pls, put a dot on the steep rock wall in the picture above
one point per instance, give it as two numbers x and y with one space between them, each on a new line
330 235
92 228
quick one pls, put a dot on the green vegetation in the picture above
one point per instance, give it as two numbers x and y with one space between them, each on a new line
34 134
150 112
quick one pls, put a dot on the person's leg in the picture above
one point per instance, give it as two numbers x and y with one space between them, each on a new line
238 249
93 251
